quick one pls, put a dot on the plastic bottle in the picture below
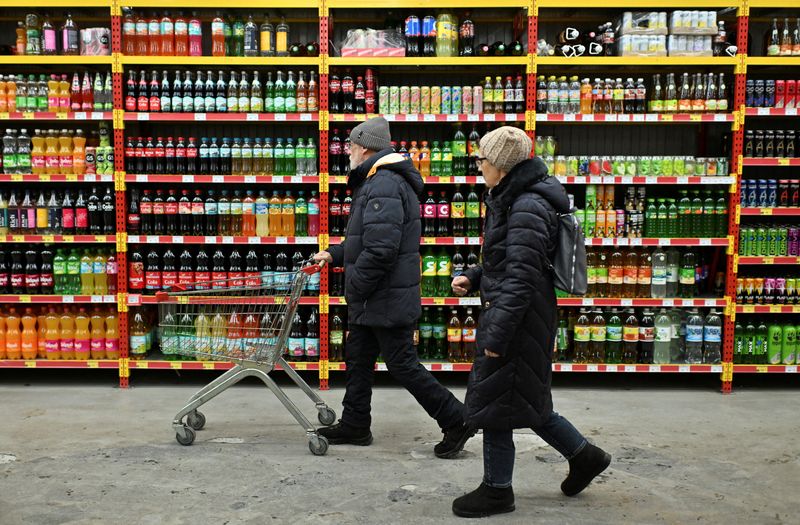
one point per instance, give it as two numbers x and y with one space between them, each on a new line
29 336
614 337
181 35
52 336
138 336
41 325
100 279
98 335
3 354
65 152
646 337
87 274
13 335
677 334
67 334
83 337
313 214
663 340
167 30
659 274
582 337
712 338
597 348
195 36
789 345
694 337
79 153
219 331
51 153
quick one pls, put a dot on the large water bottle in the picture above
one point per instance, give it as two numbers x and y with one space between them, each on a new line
694 338
673 272
661 354
712 338
678 331
658 286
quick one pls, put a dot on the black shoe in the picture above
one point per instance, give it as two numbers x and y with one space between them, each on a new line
484 501
584 467
343 434
453 442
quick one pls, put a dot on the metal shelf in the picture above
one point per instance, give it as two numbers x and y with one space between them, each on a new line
55 59
156 364
751 161
215 61
773 61
638 4
766 369
747 260
222 179
221 117
767 309
612 241
771 112
647 118
413 117
635 61
83 239
55 299
48 115
426 4
29 177
201 239
229 4
683 181
428 61
780 212
60 363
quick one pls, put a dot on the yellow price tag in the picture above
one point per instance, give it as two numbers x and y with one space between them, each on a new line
769 260
45 178
4 116
62 116
100 238
749 309
69 238
438 300
72 177
141 364
762 369
18 238
182 299
176 365
280 300
695 118
24 298
300 366
16 177
429 240
666 118
775 309
208 366
766 211
783 162
30 364
28 115
48 238
92 364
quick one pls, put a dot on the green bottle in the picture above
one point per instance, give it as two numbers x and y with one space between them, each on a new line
428 274
789 349
425 334
301 215
459 154
761 343
238 37
663 217
279 104
709 215
269 94
439 336
650 219
73 286
444 271
436 159
750 343
684 214
289 160
290 94
672 219
774 344
59 273
738 344
614 338
447 159
311 157
268 154
473 212
696 226
278 153
721 216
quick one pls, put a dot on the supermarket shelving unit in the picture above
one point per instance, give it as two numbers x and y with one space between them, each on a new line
117 62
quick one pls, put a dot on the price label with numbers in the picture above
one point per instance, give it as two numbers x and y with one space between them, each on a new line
654 368
792 369
623 180
721 118
669 302
187 178
623 118
176 365
218 179
635 241
280 300
200 117
305 117
763 111
142 178
792 112
62 116
459 241
638 118
209 366
683 180
227 239
48 238
280 117
28 115
98 115
591 368
134 299
80 115
630 368
774 308
452 118
666 118
447 367
281 240
182 299
684 369
438 300
251 179
177 239
473 118
611 368
626 302
251 116
254 240
748 309
566 367
716 369
607 241
4 116
210 239
769 260
143 116
68 299
569 118
152 239
711 302
587 118
705 242
695 118
766 211
429 118
489 117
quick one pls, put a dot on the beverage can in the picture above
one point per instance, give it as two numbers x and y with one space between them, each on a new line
762 194
780 291
791 289
744 244
752 194
446 97
405 100
466 100
477 100
740 288
793 242
620 223
761 241
794 193
394 100
772 245
769 289
436 100
758 289
91 160
383 99
425 99
782 240
783 193
456 100
416 101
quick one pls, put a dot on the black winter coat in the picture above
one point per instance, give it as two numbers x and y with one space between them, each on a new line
519 317
380 252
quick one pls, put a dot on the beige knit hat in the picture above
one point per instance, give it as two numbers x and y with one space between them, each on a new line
506 147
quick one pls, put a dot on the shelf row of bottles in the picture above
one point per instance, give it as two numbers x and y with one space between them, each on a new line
59 213
37 35
761 341
86 271
230 92
700 94
56 94
52 151
59 334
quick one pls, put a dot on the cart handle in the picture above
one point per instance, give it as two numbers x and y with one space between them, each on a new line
314 268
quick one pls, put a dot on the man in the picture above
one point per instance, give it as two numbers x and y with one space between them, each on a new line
382 275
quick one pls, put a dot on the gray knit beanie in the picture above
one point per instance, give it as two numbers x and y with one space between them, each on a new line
372 134
506 147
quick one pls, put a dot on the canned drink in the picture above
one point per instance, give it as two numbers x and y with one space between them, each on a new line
394 99
791 290
630 166
456 100
425 99
91 160
769 290
383 100
668 166
763 190
793 242
583 166
783 193
749 287
416 103
436 100
761 241
772 245
744 246
477 100
794 193
780 291
751 236
405 100
620 223
752 194
758 289
782 240
722 166
466 100
572 166
447 100
740 288
581 216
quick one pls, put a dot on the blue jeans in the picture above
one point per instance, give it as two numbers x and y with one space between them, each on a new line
498 448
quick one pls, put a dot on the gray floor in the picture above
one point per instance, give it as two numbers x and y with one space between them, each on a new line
95 454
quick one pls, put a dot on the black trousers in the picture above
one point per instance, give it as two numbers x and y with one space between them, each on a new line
364 344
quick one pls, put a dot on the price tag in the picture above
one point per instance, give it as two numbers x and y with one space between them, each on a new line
143 116
281 240
766 211
711 302
792 369
96 299
438 301
4 116
695 118
654 368
587 118
337 118
210 239
176 365
30 364
18 238
611 118
92 364
177 239
783 162
488 117
748 309
684 369
208 366
721 117
227 239
381 367
305 117
669 302
607 242
611 368
792 112
28 115
96 115
683 180
141 178
623 118
51 238
218 179
412 117
152 239
763 111
775 309
187 178
68 299
623 180
183 299
591 368
280 117
569 118
139 364
89 178
429 240
452 118
62 116
626 302
250 179
635 242
199 117
705 242
769 260
447 367
429 118
473 118
566 367
717 369
134 299
390 117
666 118
630 368
459 241
254 240
460 180
511 117
638 118
251 117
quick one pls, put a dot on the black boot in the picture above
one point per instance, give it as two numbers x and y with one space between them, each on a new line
584 467
484 501
453 442
343 434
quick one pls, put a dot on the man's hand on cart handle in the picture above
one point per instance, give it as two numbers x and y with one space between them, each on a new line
323 257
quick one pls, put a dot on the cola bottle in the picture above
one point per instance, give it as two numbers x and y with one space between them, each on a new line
348 94
109 215
134 218
46 281
359 96
335 95
198 213
95 213
185 271
466 36
219 275
171 213
31 273
152 273
169 273
17 273
136 271
334 153
149 156
235 270
146 213
169 156
185 222
159 157
202 274
158 213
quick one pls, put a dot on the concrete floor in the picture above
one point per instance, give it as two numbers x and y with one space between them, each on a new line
98 455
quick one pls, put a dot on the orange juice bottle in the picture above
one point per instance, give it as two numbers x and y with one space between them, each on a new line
98 344
79 153
64 97
11 90
425 160
29 339
83 338
67 342
51 153
413 152
287 216
53 335
41 341
38 165
13 337
112 335
65 152
3 337
3 95
52 94
275 210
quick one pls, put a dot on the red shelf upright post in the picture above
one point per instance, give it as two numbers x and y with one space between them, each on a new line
530 73
324 291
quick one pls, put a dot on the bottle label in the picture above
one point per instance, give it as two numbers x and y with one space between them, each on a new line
615 276
591 275
46 280
86 267
468 335
312 347
443 211
613 333
98 344
112 268
660 276
111 345
454 335
457 210
67 345
81 218
429 211
224 208
138 344
644 275
98 267
337 337
473 210
152 280
631 275
694 333
672 274
17 280
83 346
712 334
439 332
296 346
32 280
583 334
169 279
663 334
171 208
598 333
647 333
687 276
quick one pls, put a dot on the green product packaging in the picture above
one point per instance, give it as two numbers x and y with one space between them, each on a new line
789 345
774 344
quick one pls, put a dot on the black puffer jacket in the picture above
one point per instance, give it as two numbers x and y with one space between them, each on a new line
519 317
380 253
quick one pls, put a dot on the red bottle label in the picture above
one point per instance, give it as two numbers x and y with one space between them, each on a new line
158 208
67 345
81 218
171 208
186 279
46 280
152 280
133 221
429 211
169 279
346 208
136 276
142 104
219 279
155 103
32 280
3 279
17 280
130 103
202 280
443 211
146 208
252 280
236 279
68 218
185 208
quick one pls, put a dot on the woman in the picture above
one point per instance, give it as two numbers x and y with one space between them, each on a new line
509 386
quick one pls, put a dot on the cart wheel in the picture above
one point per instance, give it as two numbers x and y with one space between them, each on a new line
196 420
318 446
189 439
326 416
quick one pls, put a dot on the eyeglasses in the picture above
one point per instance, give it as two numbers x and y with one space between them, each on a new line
480 160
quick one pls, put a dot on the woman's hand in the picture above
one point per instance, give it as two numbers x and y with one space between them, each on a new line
461 286
489 353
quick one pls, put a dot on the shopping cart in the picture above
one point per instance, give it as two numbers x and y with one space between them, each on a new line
245 321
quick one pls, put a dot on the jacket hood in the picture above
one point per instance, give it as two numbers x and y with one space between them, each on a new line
387 159
531 176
